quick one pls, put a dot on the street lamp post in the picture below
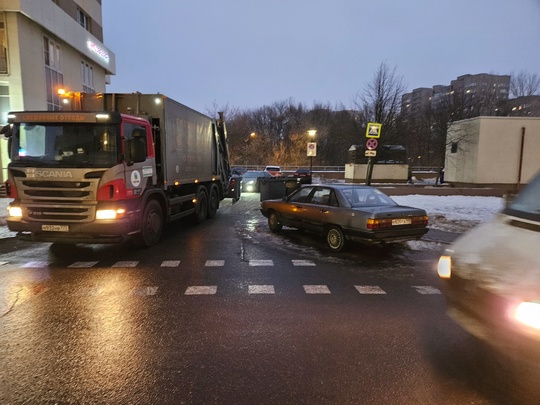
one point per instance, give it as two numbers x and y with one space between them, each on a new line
311 151
251 136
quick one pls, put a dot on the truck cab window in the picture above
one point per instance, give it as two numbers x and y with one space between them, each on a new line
135 143
65 144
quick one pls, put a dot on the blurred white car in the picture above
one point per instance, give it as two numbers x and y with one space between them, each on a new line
491 278
275 171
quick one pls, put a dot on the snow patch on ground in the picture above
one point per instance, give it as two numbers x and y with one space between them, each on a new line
454 213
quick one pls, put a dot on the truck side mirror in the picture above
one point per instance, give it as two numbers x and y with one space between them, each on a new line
6 131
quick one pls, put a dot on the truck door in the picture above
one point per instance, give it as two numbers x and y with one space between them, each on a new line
135 151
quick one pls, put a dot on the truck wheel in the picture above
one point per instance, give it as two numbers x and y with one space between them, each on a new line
335 239
201 207
213 203
151 225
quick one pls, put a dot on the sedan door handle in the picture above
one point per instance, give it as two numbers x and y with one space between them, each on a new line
324 210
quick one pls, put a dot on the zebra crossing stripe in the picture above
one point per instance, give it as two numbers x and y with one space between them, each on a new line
170 263
261 262
426 289
126 263
201 290
144 291
35 265
83 264
316 289
369 289
215 263
303 263
261 289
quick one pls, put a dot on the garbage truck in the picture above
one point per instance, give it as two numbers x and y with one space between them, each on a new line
112 167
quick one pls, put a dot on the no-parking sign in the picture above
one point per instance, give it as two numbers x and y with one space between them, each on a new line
312 149
372 144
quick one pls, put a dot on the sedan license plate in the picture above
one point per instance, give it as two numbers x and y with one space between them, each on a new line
401 221
55 228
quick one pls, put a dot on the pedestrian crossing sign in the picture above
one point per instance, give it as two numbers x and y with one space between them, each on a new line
373 130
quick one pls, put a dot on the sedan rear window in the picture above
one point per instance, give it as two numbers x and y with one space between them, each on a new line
362 197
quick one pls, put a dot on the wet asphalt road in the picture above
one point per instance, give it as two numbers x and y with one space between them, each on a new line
228 313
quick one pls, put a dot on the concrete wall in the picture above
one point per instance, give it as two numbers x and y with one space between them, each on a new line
393 173
489 151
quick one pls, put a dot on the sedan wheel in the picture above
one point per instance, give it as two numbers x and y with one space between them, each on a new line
335 239
273 222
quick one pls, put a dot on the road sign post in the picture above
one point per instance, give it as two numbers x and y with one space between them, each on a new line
373 131
311 151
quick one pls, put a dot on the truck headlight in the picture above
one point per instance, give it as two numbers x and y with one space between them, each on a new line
110 213
528 313
15 212
444 267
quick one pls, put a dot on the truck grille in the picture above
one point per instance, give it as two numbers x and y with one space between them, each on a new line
58 201
56 189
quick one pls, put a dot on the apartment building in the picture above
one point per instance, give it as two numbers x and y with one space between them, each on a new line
478 94
46 45
526 106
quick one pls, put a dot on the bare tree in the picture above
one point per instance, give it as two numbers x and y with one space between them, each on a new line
524 84
381 101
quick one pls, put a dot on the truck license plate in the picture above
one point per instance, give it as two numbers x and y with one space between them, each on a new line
401 221
55 228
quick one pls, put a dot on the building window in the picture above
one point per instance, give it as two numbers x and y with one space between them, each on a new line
453 147
87 74
54 78
4 103
83 19
3 49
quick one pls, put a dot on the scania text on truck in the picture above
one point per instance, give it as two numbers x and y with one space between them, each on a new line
116 166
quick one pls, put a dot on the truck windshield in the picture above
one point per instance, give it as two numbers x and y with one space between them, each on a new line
89 145
527 202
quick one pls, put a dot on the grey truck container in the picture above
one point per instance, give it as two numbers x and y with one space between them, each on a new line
189 147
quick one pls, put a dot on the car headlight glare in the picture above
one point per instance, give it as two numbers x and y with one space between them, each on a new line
444 267
15 212
528 313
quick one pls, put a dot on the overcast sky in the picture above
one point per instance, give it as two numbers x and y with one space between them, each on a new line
250 53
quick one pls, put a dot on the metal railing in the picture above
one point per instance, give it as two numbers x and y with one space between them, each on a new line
414 169
293 168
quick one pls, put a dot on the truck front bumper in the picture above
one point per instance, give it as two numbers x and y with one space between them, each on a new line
105 231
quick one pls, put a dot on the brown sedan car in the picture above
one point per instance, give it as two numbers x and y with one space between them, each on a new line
346 212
